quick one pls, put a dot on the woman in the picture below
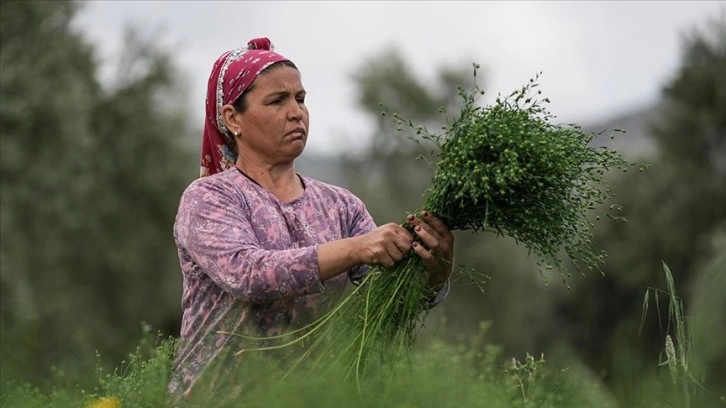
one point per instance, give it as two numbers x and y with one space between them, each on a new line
262 247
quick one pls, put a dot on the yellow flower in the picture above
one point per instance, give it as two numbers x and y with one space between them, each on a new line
106 402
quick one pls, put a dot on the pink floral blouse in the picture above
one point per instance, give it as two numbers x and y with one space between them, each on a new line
250 261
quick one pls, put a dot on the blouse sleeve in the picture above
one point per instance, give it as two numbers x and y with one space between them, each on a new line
212 228
360 222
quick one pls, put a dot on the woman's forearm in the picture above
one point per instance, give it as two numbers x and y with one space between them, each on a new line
337 257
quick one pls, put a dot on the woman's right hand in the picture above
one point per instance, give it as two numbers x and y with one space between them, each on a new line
384 246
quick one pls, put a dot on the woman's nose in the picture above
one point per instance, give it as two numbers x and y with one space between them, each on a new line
295 112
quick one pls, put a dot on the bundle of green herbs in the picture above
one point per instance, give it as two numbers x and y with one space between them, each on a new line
504 168
507 168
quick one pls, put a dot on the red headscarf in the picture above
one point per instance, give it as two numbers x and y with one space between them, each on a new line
232 74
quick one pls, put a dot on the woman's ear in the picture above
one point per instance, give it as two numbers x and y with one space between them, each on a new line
231 119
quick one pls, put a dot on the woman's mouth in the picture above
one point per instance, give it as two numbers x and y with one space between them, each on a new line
297 133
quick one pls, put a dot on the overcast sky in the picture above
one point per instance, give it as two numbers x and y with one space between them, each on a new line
598 58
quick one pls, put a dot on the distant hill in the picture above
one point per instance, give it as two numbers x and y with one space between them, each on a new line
637 140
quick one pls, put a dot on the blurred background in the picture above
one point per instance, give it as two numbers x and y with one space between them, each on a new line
101 111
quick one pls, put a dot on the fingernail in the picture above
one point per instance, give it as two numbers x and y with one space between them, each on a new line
410 217
415 244
418 228
425 213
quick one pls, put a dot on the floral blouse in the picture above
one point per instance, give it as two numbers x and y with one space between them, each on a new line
250 262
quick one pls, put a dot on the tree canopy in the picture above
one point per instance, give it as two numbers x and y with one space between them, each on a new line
90 178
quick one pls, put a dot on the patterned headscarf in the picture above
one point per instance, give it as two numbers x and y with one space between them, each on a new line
232 74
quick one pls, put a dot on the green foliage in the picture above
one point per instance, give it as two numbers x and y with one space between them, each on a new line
707 306
678 339
673 211
394 183
693 126
471 373
90 179
685 371
438 374
388 162
141 381
507 168
373 325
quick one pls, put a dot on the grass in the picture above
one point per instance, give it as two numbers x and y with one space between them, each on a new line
473 373
678 355
439 374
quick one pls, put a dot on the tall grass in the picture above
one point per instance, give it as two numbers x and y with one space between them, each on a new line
472 374
678 355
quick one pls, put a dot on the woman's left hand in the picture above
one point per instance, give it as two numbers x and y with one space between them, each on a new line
437 251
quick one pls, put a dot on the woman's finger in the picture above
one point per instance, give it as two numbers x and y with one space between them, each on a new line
435 223
446 238
428 236
419 224
428 259
395 252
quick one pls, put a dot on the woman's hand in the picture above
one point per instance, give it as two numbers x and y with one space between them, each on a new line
384 246
437 251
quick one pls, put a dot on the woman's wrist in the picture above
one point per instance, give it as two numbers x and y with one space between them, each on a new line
338 256
436 282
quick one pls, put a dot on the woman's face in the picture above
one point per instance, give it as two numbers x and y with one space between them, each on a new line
274 127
